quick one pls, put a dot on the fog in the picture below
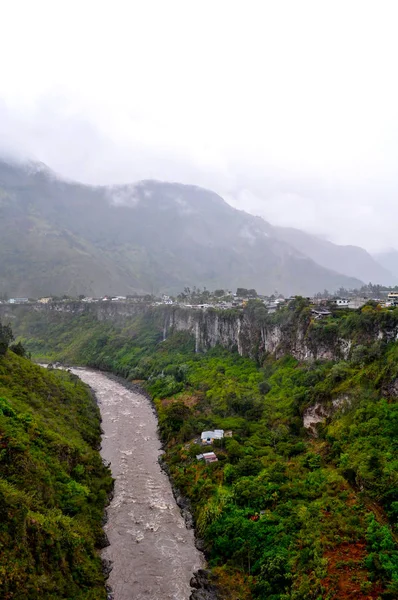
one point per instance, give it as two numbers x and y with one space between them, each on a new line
287 109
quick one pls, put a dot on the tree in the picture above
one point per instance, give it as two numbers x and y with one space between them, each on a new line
6 337
173 418
242 293
18 349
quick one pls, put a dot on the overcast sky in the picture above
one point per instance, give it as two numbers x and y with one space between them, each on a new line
289 109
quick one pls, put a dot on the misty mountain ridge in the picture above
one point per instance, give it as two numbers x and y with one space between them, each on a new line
59 236
389 260
345 259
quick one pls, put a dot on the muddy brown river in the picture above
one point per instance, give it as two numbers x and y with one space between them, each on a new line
153 553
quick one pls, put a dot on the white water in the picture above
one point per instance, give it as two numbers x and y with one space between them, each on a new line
153 553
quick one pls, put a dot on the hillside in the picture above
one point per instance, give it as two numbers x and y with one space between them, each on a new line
61 237
53 485
286 512
344 259
389 260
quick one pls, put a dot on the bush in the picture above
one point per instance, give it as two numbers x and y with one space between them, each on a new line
173 418
18 349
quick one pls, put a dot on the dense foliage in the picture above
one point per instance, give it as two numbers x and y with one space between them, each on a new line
284 514
53 485
6 336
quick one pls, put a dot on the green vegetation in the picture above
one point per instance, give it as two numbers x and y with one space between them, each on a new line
53 485
6 337
284 515
280 507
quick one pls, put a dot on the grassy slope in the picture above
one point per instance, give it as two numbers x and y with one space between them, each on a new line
53 486
283 515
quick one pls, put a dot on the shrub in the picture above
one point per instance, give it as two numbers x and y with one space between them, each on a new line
6 336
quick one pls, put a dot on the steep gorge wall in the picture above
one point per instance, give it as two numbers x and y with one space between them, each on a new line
250 337
235 330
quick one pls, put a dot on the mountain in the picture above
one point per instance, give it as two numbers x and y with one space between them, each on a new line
58 236
389 260
348 260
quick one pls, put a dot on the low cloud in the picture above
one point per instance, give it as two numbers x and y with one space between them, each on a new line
262 105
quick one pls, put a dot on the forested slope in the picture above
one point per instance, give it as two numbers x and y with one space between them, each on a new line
53 485
286 513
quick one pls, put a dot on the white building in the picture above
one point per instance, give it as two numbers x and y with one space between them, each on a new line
18 300
208 437
341 302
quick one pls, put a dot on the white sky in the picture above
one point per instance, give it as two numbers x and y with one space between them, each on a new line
289 109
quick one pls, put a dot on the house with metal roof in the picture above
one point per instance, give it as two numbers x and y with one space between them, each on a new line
208 437
210 457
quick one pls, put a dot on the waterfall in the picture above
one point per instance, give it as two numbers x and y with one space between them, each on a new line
197 334
240 349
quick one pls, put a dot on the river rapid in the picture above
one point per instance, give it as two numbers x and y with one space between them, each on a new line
152 552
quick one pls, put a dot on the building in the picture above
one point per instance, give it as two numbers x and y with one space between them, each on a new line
44 300
393 298
272 307
18 300
357 302
341 303
210 457
319 313
208 437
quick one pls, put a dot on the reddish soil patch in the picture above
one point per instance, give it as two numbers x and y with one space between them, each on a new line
188 399
351 500
346 573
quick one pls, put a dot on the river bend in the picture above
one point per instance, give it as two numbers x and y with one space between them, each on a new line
153 553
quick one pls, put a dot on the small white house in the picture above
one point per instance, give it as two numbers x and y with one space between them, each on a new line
341 302
208 437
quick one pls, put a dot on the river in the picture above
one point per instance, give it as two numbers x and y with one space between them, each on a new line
153 553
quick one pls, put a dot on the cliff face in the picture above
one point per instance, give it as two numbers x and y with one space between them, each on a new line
234 330
252 333
242 332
